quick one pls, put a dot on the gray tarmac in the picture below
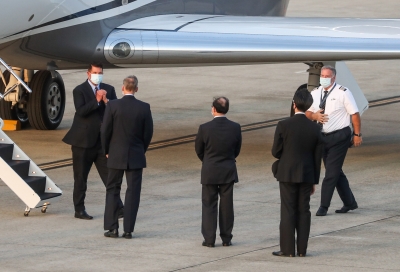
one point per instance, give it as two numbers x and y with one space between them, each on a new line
167 234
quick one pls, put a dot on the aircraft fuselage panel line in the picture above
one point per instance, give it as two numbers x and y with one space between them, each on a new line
191 138
215 48
73 40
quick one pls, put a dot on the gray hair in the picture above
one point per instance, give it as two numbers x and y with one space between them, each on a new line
329 68
130 83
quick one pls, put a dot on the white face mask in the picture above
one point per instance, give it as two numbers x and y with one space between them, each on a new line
325 81
96 78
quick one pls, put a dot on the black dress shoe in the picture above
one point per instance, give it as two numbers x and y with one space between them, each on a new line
345 209
301 254
207 244
322 211
83 215
121 213
111 233
281 254
127 235
227 244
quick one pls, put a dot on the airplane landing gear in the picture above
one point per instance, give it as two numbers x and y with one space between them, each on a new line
8 111
27 211
314 72
47 102
43 108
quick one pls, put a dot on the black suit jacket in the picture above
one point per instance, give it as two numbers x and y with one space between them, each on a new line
217 144
89 113
298 145
126 133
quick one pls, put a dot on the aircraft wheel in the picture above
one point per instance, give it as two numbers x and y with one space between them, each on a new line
21 115
47 101
6 113
43 210
26 213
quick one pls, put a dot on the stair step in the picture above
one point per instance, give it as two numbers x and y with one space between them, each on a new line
44 196
38 184
20 167
6 151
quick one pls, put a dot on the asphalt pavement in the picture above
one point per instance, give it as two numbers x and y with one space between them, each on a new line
167 235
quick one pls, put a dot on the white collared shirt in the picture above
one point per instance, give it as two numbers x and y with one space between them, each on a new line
219 116
340 105
299 112
93 86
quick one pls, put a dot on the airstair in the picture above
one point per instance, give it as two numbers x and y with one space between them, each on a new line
24 177
21 174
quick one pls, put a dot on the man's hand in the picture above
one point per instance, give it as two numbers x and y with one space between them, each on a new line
357 140
107 156
312 190
356 120
100 94
105 100
320 117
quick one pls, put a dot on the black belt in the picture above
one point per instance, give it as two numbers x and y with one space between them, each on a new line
333 132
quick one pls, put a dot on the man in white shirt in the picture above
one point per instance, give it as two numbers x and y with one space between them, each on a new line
334 108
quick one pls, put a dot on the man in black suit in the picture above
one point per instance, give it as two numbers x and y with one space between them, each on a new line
298 146
90 100
217 145
126 132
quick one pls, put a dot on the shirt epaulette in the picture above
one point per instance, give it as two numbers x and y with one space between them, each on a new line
343 88
316 88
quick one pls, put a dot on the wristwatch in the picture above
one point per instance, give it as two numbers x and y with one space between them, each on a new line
358 135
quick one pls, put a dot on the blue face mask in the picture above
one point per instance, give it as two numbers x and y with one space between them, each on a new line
96 78
325 81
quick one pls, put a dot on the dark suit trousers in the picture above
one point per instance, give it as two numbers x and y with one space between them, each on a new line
210 194
82 161
335 150
295 216
132 198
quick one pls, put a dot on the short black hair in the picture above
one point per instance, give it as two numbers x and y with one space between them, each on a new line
95 64
303 99
221 104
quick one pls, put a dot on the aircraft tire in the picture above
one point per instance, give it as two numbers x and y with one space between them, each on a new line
6 113
47 101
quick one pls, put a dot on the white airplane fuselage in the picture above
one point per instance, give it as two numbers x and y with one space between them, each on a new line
49 35
71 34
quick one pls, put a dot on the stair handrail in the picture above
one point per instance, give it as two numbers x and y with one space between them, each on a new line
20 81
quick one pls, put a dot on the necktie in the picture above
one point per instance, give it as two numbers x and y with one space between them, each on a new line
322 106
323 103
95 90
